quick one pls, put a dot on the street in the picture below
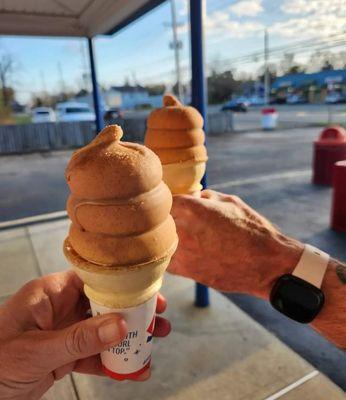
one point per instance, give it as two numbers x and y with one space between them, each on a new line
293 116
290 116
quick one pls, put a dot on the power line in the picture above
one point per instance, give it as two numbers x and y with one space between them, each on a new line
233 63
284 48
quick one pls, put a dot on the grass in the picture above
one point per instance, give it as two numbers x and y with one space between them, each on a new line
22 119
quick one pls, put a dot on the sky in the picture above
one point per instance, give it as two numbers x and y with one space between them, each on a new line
140 53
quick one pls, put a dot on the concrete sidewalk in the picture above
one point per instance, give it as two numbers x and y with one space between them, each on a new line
215 353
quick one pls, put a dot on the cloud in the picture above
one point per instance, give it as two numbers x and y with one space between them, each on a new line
312 18
220 23
247 8
313 6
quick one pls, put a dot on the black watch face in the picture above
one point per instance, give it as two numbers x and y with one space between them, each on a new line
296 298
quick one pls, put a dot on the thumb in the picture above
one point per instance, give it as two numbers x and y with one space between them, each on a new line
81 340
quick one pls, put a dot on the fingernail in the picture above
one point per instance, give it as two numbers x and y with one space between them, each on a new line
112 331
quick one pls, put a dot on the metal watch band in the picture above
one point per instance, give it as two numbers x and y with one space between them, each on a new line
312 265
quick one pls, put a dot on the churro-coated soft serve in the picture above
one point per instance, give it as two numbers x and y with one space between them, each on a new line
175 133
119 205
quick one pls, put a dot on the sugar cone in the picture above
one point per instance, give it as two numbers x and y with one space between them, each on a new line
184 177
119 287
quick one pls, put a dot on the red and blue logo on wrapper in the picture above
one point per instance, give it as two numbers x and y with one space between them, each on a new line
146 363
150 330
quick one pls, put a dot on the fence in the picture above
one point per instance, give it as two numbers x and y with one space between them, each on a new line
68 135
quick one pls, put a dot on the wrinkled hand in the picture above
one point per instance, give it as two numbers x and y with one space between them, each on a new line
225 244
45 333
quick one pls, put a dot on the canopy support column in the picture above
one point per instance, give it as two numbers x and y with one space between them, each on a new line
198 99
95 88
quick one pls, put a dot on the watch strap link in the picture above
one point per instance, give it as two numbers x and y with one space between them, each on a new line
312 265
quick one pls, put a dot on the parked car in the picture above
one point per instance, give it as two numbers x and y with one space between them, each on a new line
113 113
71 111
235 105
43 114
257 100
335 97
296 99
278 100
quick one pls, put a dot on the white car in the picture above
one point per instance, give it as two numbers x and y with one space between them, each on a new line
71 111
43 114
335 97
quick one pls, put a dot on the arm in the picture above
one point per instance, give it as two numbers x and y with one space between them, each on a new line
226 245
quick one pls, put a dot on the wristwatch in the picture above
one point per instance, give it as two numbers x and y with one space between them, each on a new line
299 295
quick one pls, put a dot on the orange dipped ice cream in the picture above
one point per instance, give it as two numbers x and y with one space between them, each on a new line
121 223
175 133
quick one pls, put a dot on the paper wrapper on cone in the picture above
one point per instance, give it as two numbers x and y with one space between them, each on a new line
175 133
131 292
132 356
121 239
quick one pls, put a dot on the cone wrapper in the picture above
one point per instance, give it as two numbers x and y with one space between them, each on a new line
132 357
132 292
184 177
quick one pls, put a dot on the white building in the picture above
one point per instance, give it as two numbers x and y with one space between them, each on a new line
126 97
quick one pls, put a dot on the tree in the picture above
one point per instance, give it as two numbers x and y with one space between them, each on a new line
289 66
154 90
327 66
7 67
296 69
221 86
272 73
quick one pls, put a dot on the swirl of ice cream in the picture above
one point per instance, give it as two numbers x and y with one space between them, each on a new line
119 205
175 132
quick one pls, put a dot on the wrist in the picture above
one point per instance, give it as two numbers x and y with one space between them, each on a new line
284 255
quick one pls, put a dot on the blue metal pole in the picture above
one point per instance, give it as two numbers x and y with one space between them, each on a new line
198 100
96 92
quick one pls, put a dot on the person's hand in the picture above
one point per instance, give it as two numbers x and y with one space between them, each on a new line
225 244
46 333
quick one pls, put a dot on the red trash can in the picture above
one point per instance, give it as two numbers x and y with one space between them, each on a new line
269 119
339 197
329 148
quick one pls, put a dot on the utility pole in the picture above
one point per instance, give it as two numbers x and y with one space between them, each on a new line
43 82
176 47
62 82
85 69
266 69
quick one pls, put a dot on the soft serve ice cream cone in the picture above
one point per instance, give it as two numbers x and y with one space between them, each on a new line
175 134
121 239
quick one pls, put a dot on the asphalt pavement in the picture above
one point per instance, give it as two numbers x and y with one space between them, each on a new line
290 115
269 170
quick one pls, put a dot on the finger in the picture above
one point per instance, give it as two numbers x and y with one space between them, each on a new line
91 366
161 304
209 194
181 203
162 327
53 349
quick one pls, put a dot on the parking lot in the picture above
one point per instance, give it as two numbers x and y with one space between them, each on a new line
269 170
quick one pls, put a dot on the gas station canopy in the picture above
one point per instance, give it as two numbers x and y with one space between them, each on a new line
83 18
